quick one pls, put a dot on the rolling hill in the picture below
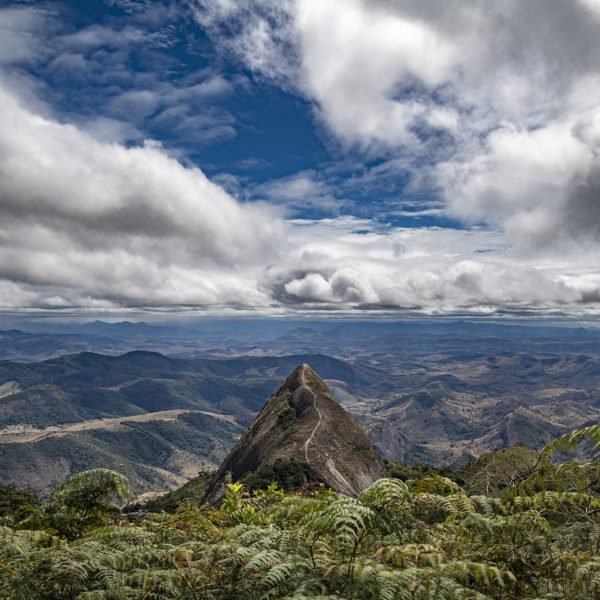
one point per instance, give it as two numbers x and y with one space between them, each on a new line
159 420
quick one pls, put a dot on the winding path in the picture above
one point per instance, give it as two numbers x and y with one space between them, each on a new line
308 441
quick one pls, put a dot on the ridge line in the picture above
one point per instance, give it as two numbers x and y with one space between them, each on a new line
303 379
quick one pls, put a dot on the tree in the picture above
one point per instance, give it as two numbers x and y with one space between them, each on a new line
86 500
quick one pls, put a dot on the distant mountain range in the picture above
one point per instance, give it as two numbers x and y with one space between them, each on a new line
443 392
221 338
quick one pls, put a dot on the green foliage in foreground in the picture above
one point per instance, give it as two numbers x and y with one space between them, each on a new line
423 539
16 503
288 473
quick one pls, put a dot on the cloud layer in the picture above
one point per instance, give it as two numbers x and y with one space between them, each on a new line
97 220
495 106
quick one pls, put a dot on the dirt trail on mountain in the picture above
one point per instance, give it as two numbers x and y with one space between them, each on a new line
318 412
21 434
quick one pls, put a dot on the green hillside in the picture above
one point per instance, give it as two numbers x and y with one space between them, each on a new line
155 455
157 419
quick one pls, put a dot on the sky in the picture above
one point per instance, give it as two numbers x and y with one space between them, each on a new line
432 157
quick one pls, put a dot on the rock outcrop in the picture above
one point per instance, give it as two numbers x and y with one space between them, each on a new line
302 421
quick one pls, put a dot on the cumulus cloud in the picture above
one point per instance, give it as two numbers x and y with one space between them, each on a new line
495 105
127 224
87 223
351 264
383 73
525 182
541 186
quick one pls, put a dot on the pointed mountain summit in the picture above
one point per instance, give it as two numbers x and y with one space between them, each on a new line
302 421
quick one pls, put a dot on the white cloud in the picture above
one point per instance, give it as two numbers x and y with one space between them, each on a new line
265 37
86 221
300 192
593 6
90 71
19 34
129 225
331 265
521 182
513 87
587 285
97 36
378 70
355 60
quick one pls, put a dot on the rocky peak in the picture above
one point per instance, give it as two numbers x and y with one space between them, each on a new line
302 420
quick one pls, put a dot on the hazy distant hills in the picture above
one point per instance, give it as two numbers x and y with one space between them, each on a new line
484 403
88 385
368 339
35 346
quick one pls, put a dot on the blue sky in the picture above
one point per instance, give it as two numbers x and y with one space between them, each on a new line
300 156
160 76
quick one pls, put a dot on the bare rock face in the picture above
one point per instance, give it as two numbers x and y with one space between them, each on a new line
301 420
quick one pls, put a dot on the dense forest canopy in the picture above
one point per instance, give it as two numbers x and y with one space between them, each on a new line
537 535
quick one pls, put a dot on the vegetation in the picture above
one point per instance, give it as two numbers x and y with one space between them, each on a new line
16 503
287 473
192 491
419 539
84 502
142 451
496 471
404 472
113 398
